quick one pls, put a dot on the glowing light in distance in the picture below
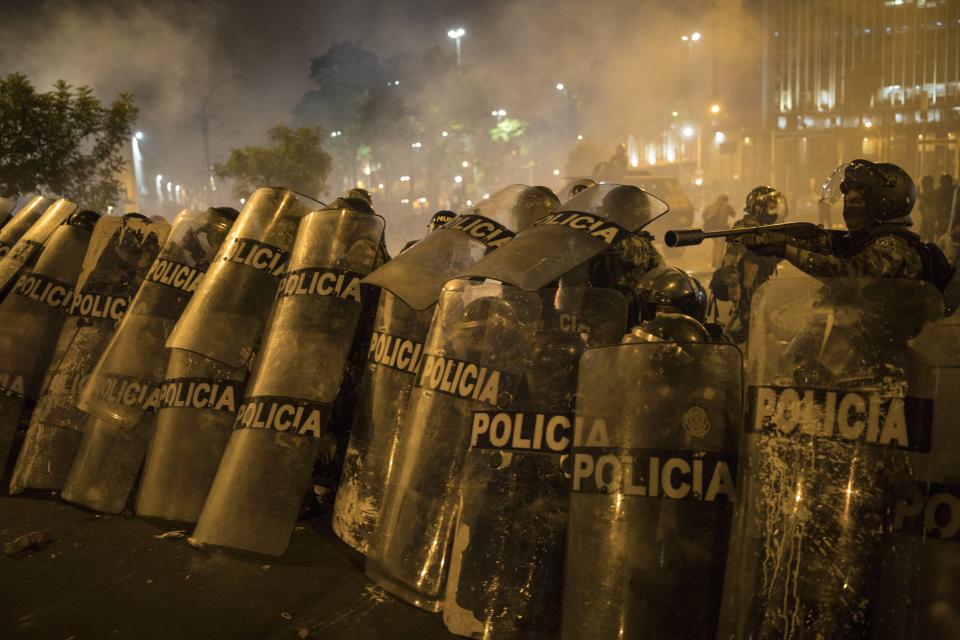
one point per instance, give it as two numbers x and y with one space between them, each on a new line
560 86
687 131
458 179
714 108
698 182
138 135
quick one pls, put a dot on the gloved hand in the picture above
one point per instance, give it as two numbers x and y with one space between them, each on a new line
767 244
819 243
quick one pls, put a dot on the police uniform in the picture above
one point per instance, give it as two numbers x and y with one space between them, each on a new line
744 270
885 251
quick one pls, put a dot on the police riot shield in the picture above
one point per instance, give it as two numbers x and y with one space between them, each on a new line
393 360
226 316
119 254
584 226
31 319
472 362
839 403
920 593
29 241
417 275
265 471
653 468
506 565
198 406
133 365
13 230
123 391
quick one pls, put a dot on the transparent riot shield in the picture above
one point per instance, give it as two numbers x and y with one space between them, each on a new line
31 319
124 389
265 471
839 402
653 467
226 316
19 224
133 365
417 275
919 587
393 360
472 362
118 256
28 246
584 226
506 565
197 409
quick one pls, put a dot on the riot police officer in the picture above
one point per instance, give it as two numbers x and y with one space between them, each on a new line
742 272
877 201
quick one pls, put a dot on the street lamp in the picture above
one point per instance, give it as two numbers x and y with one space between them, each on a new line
560 86
715 109
456 34
687 131
138 135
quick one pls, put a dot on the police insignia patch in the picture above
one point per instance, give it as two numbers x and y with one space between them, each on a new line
695 422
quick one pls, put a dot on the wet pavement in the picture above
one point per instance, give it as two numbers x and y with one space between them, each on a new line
111 577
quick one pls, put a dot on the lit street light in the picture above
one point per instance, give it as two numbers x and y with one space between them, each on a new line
695 36
561 86
138 135
456 34
687 131
458 179
714 109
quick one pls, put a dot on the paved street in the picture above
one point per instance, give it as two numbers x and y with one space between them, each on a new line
109 577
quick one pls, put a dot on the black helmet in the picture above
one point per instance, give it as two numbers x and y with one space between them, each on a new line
887 190
666 289
355 204
227 212
439 219
581 184
85 219
536 202
669 327
359 192
765 203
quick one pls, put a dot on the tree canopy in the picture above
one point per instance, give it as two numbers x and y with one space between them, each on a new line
296 160
64 142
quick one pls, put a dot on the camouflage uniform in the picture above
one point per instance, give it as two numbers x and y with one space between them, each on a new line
734 272
744 271
884 251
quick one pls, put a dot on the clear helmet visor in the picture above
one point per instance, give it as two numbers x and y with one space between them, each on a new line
831 191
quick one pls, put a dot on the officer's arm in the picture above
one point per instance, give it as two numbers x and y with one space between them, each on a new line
885 257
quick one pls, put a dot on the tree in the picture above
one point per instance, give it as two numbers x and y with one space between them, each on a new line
64 142
296 160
